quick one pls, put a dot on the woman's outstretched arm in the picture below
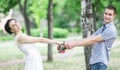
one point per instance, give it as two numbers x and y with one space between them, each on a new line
30 39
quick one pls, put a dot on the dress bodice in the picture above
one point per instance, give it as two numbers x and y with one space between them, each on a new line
33 60
27 48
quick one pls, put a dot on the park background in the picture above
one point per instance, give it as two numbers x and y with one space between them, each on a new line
65 25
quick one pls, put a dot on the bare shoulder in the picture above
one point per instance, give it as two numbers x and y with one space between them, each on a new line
27 39
21 38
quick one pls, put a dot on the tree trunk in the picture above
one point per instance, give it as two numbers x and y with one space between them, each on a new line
27 24
88 27
50 29
25 16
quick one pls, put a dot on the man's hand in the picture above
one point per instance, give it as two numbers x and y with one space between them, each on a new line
70 45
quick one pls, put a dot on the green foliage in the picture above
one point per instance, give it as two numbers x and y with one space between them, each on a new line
5 5
65 12
37 9
5 37
76 30
35 32
99 8
59 19
72 9
57 32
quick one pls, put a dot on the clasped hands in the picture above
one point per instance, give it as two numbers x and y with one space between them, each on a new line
64 45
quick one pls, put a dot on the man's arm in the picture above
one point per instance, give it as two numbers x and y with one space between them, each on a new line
84 42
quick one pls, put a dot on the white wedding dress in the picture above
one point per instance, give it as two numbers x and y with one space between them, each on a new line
33 60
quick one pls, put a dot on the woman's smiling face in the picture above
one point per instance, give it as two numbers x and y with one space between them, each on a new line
14 26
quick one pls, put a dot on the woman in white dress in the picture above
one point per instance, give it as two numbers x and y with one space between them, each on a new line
26 44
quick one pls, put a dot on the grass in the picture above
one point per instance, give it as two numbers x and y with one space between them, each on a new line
115 59
13 67
75 62
9 51
70 63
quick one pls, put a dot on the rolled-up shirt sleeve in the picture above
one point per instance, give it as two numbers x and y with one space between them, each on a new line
108 33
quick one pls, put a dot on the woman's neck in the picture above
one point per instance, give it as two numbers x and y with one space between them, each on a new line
19 32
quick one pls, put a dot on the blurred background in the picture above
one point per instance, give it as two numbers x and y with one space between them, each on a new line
54 19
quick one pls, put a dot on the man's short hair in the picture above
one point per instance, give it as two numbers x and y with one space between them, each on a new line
111 8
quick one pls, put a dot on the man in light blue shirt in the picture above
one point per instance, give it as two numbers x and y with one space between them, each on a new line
101 40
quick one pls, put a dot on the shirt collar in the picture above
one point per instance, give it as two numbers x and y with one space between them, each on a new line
109 24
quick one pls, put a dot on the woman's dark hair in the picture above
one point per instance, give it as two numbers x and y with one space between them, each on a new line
7 27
